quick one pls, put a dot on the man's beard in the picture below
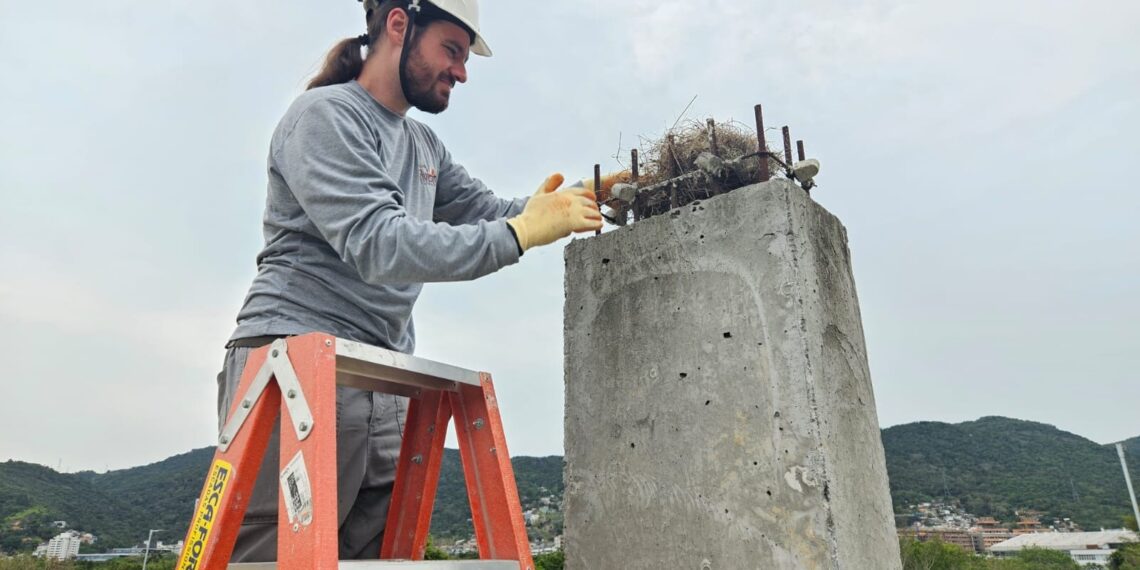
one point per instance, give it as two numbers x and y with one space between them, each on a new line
421 84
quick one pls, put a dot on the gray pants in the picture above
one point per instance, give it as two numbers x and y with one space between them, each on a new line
368 430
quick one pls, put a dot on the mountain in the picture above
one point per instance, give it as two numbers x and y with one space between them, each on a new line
120 506
1132 447
993 466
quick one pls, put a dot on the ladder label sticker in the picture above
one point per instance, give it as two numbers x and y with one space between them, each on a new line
221 473
297 492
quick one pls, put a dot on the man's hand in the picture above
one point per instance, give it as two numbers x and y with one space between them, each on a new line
553 214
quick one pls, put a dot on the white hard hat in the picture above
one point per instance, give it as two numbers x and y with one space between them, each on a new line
466 11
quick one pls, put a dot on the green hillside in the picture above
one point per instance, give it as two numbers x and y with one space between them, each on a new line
120 506
32 496
996 465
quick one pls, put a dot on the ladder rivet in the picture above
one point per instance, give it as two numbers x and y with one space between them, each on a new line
291 394
492 451
296 527
328 343
431 429
418 459
478 423
246 404
224 440
274 353
304 426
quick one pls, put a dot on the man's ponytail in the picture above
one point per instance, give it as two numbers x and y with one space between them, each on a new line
344 61
342 64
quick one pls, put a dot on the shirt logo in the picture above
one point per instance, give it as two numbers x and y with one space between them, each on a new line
428 175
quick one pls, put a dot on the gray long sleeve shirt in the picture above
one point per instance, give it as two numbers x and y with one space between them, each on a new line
365 206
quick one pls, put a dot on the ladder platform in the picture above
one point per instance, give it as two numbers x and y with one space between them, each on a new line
398 564
381 370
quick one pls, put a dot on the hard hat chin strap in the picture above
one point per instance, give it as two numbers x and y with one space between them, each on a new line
413 10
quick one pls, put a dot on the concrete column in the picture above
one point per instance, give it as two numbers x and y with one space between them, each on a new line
719 411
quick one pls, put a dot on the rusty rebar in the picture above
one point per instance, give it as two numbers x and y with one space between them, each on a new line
764 174
598 190
800 149
712 137
787 149
634 174
670 150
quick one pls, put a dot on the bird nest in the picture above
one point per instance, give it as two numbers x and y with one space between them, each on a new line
692 161
676 152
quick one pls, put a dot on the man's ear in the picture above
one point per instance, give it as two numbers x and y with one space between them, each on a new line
396 25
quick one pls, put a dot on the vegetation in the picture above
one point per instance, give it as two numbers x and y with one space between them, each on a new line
120 506
937 555
992 466
1127 558
26 562
996 466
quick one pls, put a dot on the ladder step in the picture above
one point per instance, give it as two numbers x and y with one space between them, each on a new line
400 565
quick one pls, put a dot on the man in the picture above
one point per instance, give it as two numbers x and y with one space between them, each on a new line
364 206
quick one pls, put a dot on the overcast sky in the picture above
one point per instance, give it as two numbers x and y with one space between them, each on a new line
978 152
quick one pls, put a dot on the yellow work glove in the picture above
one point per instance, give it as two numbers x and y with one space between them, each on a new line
608 181
553 214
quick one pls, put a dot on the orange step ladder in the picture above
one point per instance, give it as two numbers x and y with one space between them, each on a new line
296 378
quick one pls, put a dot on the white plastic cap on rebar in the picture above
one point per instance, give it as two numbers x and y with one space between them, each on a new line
466 11
806 170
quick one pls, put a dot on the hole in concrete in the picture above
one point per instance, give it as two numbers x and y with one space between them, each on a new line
702 236
632 445
756 463
777 414
727 335
707 402
769 492
605 260
781 429
684 375
726 511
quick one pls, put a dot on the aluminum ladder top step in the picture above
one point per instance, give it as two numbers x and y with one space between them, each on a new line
368 367
400 565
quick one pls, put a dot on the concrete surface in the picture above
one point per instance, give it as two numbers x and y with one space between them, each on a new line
719 410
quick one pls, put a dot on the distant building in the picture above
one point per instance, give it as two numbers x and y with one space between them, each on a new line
987 533
1085 548
63 547
1027 525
